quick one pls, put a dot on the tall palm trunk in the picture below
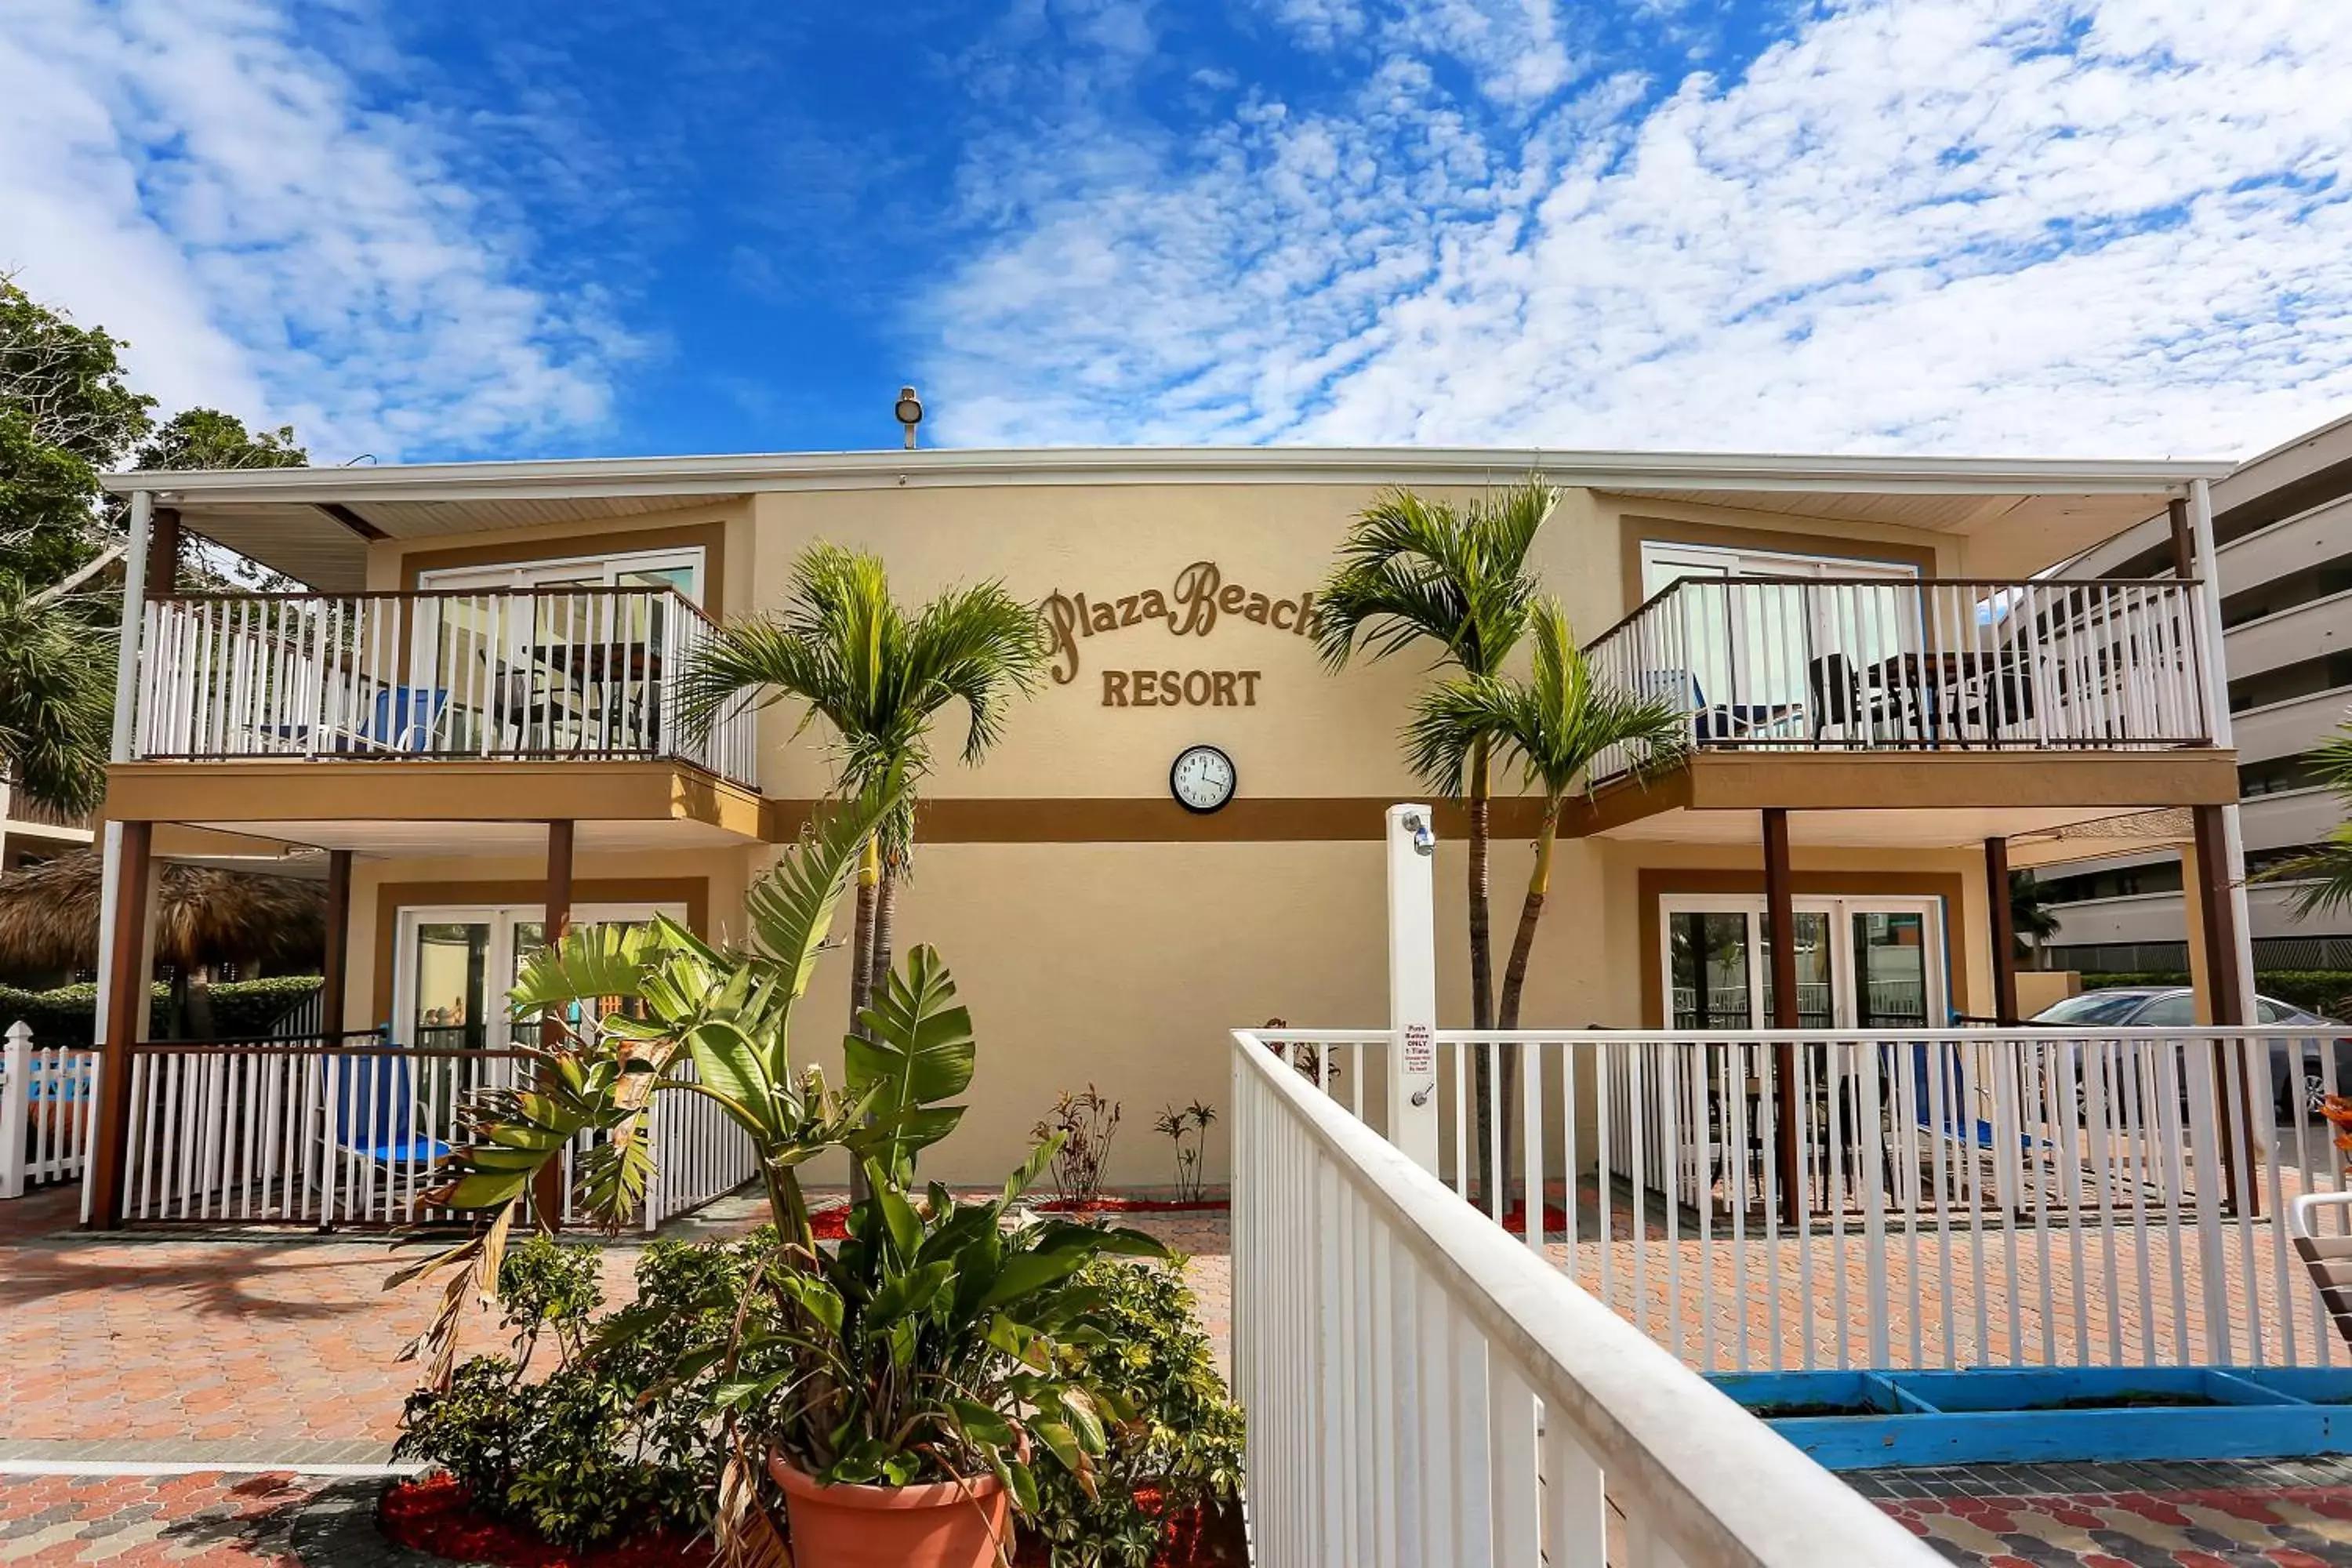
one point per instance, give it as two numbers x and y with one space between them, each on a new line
861 963
1515 976
886 909
1482 949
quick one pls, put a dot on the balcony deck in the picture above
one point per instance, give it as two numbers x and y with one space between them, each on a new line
573 675
1929 665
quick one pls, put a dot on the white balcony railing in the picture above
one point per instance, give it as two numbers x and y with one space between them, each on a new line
46 1095
1421 1390
573 673
1930 1198
1810 664
348 1129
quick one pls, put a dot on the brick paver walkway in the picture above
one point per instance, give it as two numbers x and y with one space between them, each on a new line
211 1520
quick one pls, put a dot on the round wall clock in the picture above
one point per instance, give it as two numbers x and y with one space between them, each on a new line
1201 779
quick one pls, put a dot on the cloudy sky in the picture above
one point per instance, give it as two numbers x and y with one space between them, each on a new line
440 229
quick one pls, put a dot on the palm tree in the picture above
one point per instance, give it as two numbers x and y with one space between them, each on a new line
879 677
2326 870
2030 923
1415 571
57 692
1553 724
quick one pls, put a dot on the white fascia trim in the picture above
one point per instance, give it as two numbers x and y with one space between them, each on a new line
1147 465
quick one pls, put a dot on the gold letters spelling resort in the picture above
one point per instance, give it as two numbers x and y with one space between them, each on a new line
1193 607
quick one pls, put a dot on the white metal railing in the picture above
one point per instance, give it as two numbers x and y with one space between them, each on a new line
561 673
347 1129
1800 663
1944 1198
47 1118
1420 1390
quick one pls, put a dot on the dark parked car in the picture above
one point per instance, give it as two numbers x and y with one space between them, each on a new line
2297 1086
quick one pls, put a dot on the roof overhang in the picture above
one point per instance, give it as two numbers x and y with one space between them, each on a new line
316 523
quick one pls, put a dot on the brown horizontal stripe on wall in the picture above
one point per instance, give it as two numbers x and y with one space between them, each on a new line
1126 820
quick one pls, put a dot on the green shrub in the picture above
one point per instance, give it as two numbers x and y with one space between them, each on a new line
241 1008
2327 991
1187 1440
611 1440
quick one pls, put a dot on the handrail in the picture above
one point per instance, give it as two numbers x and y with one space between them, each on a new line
545 591
1997 583
1681 1460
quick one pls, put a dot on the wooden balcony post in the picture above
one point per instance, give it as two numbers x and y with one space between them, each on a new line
163 553
334 972
2004 933
1781 922
2223 1001
547 1189
127 943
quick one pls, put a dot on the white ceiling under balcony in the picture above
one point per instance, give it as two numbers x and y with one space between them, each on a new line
314 524
525 840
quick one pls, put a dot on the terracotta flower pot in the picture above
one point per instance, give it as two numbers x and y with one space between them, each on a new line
939 1525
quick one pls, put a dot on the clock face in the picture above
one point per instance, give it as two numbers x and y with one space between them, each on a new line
1201 779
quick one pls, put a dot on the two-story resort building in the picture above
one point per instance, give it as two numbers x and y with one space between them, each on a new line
472 713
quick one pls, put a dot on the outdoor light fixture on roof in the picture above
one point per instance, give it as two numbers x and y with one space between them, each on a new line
910 413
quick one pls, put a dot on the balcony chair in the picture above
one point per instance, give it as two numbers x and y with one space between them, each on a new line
1716 721
2327 1259
375 1115
1838 698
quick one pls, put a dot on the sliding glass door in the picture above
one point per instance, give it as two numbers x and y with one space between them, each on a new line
456 967
1862 964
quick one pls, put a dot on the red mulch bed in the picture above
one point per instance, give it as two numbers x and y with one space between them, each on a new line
436 1516
832 1224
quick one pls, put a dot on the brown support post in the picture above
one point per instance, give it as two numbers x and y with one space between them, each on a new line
2004 933
164 552
334 974
1781 922
2226 1008
547 1189
2184 544
126 1020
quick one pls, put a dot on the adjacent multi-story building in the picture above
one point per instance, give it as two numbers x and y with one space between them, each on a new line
2282 527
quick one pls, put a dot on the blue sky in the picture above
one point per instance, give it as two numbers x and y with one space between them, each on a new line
2109 227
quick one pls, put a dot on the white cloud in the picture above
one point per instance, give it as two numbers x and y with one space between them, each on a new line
1937 225
188 175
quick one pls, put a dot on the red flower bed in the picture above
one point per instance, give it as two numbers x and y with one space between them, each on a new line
435 1515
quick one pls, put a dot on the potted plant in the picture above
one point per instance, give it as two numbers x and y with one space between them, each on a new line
902 1383
897 1385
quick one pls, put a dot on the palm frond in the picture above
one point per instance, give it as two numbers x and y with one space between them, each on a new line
2323 875
1412 570
1554 723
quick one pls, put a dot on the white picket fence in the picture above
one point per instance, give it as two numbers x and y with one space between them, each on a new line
47 1120
1424 1391
347 1132
1961 1197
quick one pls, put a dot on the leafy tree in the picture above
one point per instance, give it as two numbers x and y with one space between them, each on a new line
1413 571
208 439
67 416
2030 921
2325 870
879 676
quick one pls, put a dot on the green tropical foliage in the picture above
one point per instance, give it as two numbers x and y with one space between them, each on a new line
1416 572
879 676
1553 724
2325 874
2030 919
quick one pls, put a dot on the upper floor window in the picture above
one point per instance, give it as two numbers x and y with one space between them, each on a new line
681 569
1665 562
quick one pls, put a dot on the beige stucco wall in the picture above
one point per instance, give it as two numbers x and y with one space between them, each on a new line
1125 964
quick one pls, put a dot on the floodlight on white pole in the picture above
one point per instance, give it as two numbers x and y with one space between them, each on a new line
910 413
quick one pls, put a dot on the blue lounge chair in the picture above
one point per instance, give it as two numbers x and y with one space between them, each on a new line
376 1114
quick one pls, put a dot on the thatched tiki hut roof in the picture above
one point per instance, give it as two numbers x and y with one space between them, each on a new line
48 916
